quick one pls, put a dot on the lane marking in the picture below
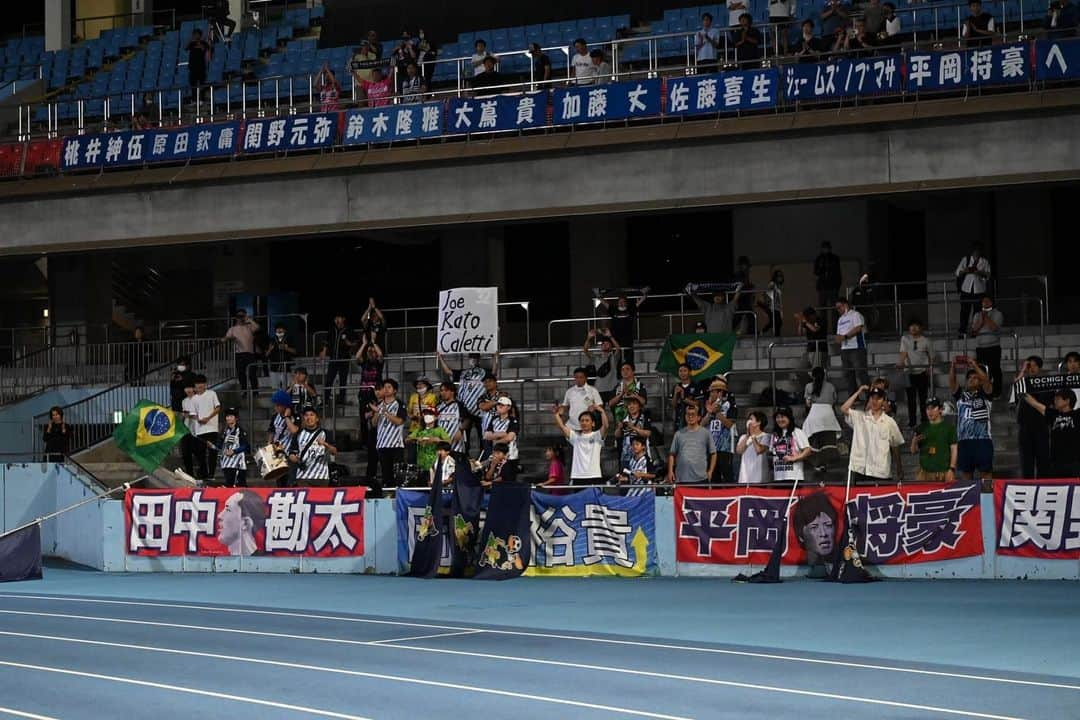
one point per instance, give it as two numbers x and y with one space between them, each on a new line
23 714
336 671
576 638
420 637
177 688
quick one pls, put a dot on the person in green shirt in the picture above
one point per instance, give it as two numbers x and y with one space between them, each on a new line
935 443
427 439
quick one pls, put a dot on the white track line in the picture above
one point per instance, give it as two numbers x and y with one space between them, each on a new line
336 671
177 688
22 714
419 637
583 666
556 636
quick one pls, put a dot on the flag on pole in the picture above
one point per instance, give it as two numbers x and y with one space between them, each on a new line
148 434
707 354
20 554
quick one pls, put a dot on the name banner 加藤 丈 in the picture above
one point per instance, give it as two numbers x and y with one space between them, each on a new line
1038 518
308 522
468 320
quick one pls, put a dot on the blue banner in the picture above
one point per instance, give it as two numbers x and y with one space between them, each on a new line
148 146
590 533
723 92
598 103
1057 59
499 112
992 65
393 123
843 78
297 132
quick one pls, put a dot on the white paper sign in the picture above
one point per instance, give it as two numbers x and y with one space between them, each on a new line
469 320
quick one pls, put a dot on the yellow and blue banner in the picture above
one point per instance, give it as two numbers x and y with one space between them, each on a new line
148 434
707 354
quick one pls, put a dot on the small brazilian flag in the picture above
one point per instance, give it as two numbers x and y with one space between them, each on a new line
707 354
148 434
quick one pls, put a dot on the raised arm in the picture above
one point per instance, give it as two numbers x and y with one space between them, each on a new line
953 384
1035 404
984 380
603 419
850 402
560 424
445 368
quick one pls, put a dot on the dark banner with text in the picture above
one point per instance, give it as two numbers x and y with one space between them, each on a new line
311 522
1038 518
895 525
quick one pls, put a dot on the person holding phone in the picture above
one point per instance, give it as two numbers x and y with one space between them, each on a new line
975 447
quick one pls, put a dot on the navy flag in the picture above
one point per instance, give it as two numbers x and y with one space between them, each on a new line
20 554
505 544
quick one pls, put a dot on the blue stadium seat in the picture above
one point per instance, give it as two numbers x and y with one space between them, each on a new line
691 13
552 29
620 21
467 39
534 32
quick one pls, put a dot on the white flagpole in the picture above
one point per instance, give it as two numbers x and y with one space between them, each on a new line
69 508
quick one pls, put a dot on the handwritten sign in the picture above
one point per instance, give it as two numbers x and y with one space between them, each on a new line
469 320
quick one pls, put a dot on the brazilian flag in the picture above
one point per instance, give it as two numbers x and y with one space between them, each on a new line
707 354
148 434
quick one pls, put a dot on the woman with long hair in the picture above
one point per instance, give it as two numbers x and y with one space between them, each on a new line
788 448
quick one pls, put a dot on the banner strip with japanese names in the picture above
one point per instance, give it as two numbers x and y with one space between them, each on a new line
149 146
1038 518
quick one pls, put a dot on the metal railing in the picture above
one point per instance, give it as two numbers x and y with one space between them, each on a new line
296 325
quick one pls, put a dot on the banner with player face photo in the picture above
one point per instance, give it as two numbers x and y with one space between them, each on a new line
310 522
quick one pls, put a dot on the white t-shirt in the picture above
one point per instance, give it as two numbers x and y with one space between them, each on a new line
478 58
706 51
579 400
793 444
848 322
204 405
586 461
970 282
734 12
188 406
584 72
754 467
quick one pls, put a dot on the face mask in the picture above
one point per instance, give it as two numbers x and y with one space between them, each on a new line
280 335
472 362
181 368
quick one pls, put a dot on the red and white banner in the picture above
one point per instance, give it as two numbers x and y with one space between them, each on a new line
894 525
311 522
1038 518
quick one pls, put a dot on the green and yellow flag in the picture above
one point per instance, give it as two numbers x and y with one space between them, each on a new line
148 434
707 354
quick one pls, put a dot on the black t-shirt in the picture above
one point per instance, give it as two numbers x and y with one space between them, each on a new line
488 79
196 57
278 353
691 391
1064 436
623 321
176 388
539 64
339 344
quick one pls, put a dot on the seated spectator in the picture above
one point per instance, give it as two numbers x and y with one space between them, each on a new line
578 398
488 76
706 43
412 85
752 448
480 53
587 444
746 39
834 21
601 67
1064 422
581 63
875 440
541 63
139 121
809 48
978 29
329 89
686 392
1061 20
935 444
720 313
379 89
692 455
636 470
975 452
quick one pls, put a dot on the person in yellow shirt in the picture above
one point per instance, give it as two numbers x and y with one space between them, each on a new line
423 397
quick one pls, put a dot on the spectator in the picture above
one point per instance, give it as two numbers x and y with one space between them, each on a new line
338 348
813 329
745 304
412 85
834 20
480 54
379 89
891 34
788 447
310 452
374 43
1064 422
752 446
362 63
329 89
488 77
747 41
404 52
139 121
197 50
581 63
388 419
280 355
234 449
917 360
849 334
1033 439
1061 20
636 470
809 49
699 328
373 323
935 444
421 399
503 428
541 64
859 42
601 67
607 373
587 444
706 43
57 436
686 392
780 14
692 455
488 410
242 336
425 438
971 276
450 416
828 277
1071 363
218 12
501 469
736 8
443 459
188 444
772 302
140 357
636 424
986 326
628 387
206 406
978 29
720 313
556 469
720 413
875 441
820 417
578 398
283 422
882 383
623 320
975 447
470 384
302 391
874 17
425 53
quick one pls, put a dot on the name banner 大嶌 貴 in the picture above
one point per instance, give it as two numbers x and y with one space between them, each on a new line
1038 518
913 523
496 113
309 522
468 320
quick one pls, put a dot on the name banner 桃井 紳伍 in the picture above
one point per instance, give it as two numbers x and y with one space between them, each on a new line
140 147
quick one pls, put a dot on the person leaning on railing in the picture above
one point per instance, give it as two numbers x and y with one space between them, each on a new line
57 436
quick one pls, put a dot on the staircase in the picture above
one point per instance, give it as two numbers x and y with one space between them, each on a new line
112 468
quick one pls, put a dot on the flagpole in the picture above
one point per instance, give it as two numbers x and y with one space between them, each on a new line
61 511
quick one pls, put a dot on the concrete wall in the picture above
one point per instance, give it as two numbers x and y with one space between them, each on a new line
16 421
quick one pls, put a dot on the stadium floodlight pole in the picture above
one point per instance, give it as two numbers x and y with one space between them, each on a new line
38 521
